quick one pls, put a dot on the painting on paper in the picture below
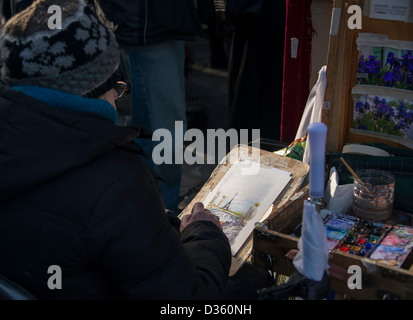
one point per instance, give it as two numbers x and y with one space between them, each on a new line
241 200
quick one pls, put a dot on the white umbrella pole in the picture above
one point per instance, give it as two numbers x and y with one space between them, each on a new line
317 136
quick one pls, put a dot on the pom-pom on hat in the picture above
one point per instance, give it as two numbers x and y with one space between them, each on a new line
81 58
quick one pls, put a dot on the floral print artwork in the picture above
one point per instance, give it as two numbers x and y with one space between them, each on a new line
394 72
384 102
383 115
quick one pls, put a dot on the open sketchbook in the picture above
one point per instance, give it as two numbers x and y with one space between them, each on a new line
247 186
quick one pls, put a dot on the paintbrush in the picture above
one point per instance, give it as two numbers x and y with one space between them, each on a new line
356 176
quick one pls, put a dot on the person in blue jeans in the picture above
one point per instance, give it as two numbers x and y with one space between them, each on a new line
152 34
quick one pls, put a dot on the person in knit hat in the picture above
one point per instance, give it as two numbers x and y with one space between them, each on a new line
75 194
81 58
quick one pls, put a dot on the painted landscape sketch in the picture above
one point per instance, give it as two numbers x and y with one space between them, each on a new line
241 200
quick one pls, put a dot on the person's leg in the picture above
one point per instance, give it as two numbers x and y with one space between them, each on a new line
256 70
218 58
244 75
156 75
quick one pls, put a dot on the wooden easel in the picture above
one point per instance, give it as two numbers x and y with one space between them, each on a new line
342 64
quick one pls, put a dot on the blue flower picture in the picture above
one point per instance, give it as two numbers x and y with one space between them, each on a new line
384 115
387 67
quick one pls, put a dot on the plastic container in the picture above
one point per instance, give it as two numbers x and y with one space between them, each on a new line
373 200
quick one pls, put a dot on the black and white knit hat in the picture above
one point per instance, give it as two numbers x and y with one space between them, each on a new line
81 58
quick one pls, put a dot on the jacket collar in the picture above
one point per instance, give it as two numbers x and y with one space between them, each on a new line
69 101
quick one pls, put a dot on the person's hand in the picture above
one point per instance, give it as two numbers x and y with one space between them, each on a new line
199 213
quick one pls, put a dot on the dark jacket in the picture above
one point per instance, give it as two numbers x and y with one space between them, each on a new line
150 21
239 7
74 193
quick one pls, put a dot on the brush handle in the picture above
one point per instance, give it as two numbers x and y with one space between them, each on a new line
356 176
317 136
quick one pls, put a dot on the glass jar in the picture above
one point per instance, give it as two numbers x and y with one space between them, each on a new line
373 200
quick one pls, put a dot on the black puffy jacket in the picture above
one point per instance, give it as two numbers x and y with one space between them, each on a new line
74 193
151 21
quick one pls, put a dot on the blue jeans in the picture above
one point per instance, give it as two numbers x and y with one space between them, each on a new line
156 76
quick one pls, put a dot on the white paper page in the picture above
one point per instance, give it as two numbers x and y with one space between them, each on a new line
395 10
241 200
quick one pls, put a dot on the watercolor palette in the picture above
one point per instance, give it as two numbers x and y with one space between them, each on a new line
395 247
337 227
364 238
353 235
